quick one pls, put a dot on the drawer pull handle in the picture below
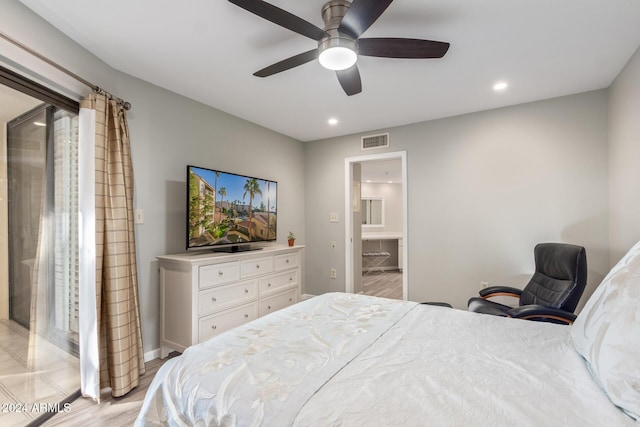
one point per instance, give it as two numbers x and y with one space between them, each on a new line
258 266
214 327
269 285
246 316
290 299
220 273
246 291
213 299
269 307
287 261
290 279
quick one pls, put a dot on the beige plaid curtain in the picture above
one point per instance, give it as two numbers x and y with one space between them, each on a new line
121 359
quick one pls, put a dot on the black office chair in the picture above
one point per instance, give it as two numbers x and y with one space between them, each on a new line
553 292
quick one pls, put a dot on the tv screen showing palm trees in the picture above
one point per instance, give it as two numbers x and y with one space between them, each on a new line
225 209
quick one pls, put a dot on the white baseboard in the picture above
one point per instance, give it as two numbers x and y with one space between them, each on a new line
152 355
306 296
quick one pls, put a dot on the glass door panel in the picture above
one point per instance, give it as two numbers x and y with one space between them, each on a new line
26 167
39 365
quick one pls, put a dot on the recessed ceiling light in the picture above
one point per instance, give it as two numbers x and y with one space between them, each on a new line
333 121
500 86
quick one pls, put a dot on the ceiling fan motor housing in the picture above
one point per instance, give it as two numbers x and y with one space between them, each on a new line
332 14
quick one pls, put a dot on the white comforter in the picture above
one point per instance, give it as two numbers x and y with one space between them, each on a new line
350 360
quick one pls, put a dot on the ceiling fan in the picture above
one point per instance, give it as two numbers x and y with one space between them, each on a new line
339 43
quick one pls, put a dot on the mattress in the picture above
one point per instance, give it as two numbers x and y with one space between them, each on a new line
351 360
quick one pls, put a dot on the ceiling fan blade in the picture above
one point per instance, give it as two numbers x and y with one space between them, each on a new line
360 16
402 48
288 63
350 80
281 17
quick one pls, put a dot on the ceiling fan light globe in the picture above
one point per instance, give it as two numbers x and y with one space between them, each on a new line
337 58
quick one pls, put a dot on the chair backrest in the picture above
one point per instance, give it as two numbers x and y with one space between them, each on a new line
560 277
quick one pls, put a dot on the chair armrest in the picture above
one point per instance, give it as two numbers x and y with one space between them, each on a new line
540 312
500 291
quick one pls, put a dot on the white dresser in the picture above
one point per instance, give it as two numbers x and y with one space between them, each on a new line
203 295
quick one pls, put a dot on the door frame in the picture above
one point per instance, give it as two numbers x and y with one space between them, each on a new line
349 226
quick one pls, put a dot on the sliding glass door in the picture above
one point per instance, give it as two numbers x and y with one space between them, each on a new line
39 365
43 223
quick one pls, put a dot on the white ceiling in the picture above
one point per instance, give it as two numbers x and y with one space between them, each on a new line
208 50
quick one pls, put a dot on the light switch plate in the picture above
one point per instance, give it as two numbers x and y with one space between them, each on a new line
138 217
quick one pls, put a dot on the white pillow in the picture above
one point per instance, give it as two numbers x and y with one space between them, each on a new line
607 333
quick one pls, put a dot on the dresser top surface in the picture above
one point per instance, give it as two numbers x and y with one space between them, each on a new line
208 257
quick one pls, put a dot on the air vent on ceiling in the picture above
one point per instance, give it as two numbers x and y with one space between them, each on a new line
375 141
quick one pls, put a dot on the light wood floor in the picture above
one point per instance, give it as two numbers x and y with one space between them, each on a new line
111 411
385 284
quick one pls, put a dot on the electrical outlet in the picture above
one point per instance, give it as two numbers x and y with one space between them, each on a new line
334 273
484 285
333 217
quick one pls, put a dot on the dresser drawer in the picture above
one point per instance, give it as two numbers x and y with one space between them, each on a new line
215 324
221 297
217 274
286 261
276 302
277 282
256 267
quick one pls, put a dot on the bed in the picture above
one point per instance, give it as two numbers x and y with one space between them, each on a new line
352 360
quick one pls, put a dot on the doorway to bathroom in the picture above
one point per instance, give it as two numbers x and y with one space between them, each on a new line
376 225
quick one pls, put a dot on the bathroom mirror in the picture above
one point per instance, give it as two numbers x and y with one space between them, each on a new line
372 211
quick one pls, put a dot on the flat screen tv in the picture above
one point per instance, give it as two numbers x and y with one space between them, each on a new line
228 212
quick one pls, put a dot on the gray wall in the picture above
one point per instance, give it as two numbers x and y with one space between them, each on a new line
624 159
483 188
168 132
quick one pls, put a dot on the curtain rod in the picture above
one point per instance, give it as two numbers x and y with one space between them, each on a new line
126 105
